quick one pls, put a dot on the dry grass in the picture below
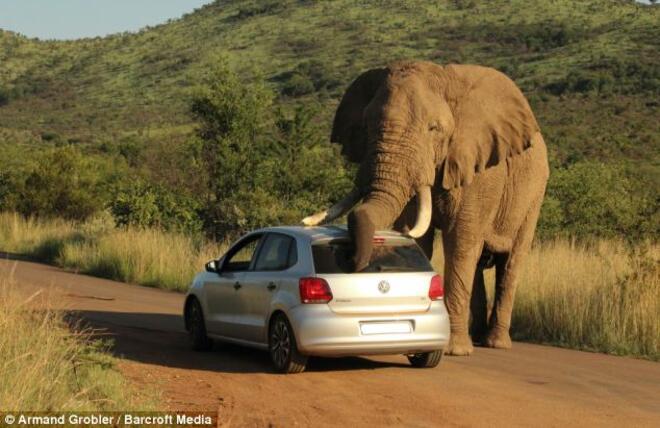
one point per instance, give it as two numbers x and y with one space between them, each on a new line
146 257
603 296
45 366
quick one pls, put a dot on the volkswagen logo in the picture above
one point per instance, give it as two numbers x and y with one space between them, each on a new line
383 287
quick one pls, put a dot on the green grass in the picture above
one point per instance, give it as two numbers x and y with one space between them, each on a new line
45 365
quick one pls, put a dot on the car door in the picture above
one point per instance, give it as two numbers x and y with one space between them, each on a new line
277 253
222 291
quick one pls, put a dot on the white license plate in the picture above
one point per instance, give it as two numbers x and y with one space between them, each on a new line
388 327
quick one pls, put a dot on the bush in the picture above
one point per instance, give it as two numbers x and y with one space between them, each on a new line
610 75
268 7
49 137
596 199
148 205
4 97
529 37
62 182
307 77
6 191
298 85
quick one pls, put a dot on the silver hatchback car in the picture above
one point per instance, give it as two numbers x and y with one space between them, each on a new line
290 290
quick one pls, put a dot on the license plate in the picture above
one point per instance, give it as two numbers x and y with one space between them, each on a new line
388 327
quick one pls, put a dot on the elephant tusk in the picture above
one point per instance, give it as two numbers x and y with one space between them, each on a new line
335 211
423 212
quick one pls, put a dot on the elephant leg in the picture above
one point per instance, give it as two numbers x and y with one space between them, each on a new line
498 331
460 262
508 268
478 308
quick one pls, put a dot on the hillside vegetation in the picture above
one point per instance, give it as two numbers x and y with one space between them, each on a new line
594 59
115 123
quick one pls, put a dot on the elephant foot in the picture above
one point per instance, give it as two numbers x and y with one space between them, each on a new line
498 338
459 345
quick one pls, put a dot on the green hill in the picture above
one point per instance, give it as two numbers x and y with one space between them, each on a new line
128 82
590 68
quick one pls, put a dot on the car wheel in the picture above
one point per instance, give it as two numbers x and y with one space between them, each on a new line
426 360
282 346
197 329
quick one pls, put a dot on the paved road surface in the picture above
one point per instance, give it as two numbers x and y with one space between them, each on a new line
530 385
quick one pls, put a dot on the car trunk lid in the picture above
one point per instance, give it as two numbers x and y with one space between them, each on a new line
396 281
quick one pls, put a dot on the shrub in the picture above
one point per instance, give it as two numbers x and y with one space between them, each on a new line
4 97
597 199
298 85
50 137
268 7
148 205
62 182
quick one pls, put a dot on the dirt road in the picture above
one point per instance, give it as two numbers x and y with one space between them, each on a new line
530 385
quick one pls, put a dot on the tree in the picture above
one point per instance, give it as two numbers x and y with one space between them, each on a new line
262 165
232 119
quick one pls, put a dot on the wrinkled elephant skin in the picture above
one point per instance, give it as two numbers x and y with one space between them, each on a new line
469 134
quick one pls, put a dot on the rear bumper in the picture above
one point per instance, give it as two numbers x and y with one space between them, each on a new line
319 331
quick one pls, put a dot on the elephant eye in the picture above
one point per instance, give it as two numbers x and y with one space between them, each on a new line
434 126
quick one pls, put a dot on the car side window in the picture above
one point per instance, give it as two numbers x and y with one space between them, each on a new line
241 255
275 253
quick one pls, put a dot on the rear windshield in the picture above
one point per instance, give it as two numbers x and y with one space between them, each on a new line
336 257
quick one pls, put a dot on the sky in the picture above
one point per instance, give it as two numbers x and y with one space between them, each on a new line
73 19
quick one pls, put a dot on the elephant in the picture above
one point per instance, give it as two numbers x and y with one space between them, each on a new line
455 148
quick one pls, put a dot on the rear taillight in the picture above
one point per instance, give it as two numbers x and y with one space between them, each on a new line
314 290
436 292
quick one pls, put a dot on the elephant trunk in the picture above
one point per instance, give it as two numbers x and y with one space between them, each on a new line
375 213
397 175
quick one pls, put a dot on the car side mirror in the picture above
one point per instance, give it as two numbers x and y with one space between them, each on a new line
212 266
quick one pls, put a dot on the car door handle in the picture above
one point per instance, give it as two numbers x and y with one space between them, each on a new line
237 285
271 286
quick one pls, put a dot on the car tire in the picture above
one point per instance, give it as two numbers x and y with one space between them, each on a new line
282 347
426 360
197 328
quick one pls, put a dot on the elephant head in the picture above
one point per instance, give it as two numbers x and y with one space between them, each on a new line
414 124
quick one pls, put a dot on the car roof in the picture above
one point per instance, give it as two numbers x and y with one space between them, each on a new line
318 233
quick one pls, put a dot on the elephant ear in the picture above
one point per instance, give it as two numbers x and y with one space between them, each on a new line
493 122
348 128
